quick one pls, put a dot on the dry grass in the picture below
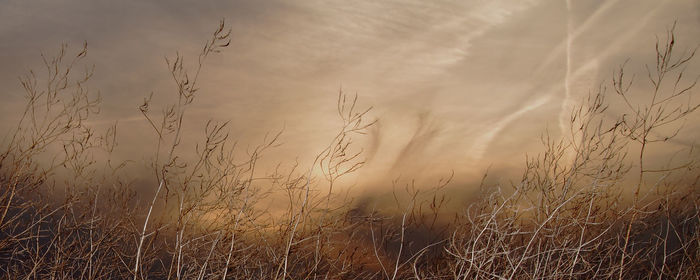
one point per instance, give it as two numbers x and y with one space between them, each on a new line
565 219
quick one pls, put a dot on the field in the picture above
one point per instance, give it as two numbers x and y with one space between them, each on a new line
590 205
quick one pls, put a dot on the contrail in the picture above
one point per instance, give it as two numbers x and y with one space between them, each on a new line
567 82
482 143
567 102
591 20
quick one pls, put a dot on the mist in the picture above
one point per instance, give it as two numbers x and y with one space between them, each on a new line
456 86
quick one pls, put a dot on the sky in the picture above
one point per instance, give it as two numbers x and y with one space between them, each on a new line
461 86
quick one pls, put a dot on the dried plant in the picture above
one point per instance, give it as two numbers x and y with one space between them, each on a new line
69 211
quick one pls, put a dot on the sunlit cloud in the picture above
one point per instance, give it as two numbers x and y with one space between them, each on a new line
448 80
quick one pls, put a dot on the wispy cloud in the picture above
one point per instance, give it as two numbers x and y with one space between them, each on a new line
482 143
476 67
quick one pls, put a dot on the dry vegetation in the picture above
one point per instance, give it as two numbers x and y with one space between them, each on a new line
67 212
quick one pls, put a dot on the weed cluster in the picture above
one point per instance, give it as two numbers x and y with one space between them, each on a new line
66 212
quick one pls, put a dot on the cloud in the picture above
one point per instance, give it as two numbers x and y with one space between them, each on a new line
482 143
477 67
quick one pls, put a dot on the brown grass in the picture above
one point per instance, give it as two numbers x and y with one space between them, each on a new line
67 212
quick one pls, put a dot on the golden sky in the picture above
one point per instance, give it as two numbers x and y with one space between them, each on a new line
455 85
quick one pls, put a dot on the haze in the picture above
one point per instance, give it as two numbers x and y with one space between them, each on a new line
455 85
